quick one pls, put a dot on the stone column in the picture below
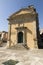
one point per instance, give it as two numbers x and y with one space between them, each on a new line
23 38
35 34
9 36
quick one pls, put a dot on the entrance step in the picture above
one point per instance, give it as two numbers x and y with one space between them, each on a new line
19 47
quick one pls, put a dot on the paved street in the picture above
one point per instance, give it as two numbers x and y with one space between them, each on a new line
25 57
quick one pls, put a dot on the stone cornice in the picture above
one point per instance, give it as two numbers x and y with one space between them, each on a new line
23 15
30 9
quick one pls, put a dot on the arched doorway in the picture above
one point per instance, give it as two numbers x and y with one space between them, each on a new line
20 37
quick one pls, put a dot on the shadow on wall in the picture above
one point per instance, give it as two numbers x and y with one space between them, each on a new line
41 44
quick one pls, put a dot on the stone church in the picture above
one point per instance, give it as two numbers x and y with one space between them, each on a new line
24 28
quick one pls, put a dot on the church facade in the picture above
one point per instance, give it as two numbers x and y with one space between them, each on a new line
24 28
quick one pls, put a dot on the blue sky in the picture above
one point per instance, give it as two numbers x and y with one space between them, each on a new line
8 7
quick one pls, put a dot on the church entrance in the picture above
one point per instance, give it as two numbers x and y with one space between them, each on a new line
20 37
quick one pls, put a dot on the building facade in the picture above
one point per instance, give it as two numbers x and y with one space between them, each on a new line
24 28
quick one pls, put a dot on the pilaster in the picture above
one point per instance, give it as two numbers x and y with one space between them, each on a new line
9 36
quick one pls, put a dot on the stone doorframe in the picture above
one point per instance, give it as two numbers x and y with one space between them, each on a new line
20 37
23 31
23 35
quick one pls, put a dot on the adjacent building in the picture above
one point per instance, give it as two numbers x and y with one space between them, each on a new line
3 38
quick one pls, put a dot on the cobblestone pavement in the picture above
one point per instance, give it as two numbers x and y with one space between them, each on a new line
25 57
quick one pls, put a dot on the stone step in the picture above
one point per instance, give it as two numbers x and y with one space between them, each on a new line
19 47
